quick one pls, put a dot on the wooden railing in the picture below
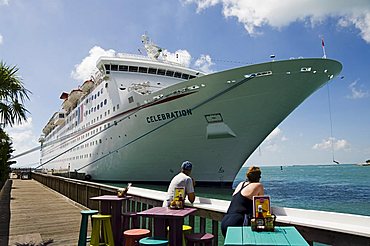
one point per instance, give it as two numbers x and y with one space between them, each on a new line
315 226
81 191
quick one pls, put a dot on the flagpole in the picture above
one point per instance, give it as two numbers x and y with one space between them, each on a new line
323 47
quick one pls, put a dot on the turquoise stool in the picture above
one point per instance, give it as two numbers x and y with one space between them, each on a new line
153 241
83 239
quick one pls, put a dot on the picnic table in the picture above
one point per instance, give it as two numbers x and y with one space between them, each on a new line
174 219
283 235
112 204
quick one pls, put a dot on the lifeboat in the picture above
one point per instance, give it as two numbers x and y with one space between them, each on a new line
48 128
64 95
58 118
87 86
67 105
74 96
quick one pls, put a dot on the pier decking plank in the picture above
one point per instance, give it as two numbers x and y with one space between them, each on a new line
39 214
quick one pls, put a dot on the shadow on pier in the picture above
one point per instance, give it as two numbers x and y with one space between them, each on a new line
5 212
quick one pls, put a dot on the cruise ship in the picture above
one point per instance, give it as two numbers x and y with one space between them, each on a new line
139 117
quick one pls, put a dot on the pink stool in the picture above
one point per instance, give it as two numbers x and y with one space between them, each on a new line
132 237
199 238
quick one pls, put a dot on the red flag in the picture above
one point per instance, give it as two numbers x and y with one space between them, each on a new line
322 43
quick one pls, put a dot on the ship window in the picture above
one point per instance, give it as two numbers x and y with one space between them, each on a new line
98 93
114 108
105 101
169 73
101 91
130 99
161 72
106 85
177 75
101 104
152 70
185 76
117 106
143 69
107 66
132 69
114 67
123 68
192 77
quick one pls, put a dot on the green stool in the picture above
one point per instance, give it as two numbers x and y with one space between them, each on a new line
153 241
102 223
83 239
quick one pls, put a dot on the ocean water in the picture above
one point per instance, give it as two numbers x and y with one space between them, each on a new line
334 188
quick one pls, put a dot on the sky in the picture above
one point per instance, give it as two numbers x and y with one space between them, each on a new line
55 44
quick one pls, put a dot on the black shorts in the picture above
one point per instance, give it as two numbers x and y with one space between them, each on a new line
231 220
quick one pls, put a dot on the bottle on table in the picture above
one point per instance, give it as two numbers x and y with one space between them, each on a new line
181 201
260 220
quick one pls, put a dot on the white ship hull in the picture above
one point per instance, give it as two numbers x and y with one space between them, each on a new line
216 121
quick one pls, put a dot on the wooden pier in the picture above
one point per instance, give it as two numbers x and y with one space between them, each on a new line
39 214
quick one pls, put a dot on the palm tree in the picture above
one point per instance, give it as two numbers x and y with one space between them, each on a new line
12 96
6 150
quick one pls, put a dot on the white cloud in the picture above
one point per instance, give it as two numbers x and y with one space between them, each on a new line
4 2
277 15
87 67
203 4
361 21
273 139
84 70
356 92
204 63
274 134
1 39
23 139
328 144
180 56
22 136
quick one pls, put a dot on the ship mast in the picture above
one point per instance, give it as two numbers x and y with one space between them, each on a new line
152 49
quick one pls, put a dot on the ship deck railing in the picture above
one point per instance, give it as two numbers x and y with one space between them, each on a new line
315 226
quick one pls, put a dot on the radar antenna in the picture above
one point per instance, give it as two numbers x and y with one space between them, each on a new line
152 49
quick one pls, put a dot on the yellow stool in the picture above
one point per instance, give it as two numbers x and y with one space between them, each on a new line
186 229
101 221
